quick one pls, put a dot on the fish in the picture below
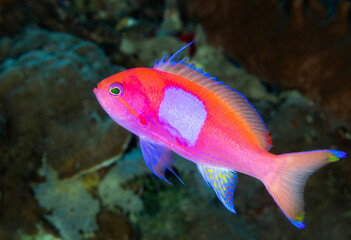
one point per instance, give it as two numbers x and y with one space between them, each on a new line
176 108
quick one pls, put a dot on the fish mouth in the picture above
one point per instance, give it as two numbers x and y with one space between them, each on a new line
107 103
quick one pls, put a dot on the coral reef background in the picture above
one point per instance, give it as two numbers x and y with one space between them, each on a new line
67 171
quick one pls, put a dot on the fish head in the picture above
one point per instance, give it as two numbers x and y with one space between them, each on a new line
125 98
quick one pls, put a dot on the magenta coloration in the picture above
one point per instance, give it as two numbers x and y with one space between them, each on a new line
175 107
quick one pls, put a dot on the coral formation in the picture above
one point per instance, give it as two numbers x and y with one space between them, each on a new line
111 189
145 49
293 44
48 110
72 210
54 78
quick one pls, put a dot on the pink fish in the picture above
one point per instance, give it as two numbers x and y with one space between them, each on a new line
174 107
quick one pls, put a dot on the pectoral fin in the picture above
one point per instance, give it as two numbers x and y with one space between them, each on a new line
157 158
222 181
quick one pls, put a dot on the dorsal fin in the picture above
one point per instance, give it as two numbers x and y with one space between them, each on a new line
235 99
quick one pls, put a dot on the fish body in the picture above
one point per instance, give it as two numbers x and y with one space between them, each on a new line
174 107
216 134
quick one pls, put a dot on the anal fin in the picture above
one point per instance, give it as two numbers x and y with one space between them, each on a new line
223 181
157 158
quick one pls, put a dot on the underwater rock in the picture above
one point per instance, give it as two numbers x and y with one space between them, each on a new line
111 190
292 44
59 120
105 21
150 49
71 209
191 210
298 118
211 59
16 14
114 226
172 23
50 83
46 83
40 235
297 125
5 45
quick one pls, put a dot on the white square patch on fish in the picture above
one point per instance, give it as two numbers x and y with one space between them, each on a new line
184 112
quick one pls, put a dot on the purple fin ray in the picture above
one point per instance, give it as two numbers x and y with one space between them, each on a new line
157 158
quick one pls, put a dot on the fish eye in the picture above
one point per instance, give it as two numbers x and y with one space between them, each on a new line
116 89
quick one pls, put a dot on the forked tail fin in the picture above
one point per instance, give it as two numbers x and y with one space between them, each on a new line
287 181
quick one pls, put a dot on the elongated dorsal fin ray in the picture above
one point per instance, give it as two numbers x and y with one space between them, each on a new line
233 98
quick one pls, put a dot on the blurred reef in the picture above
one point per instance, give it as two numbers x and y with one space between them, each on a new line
69 172
294 44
